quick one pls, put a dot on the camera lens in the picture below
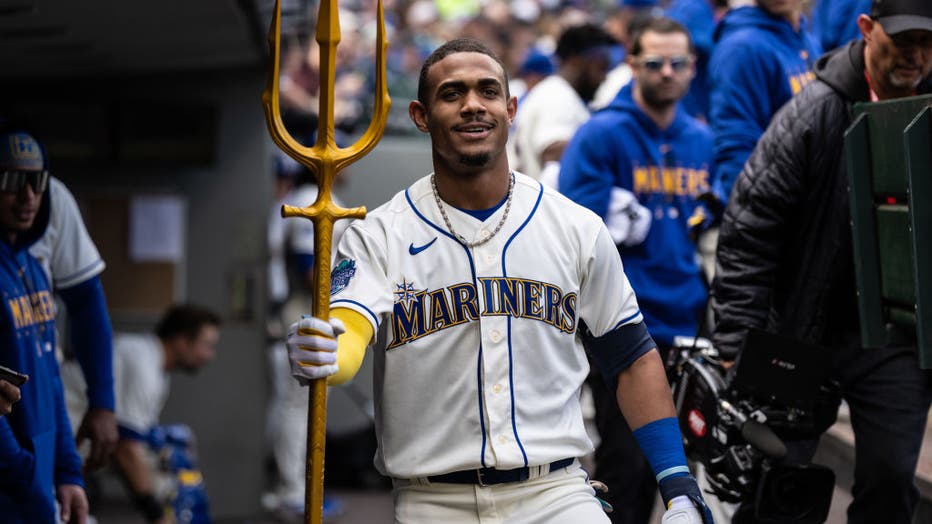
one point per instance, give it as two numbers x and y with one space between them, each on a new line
796 493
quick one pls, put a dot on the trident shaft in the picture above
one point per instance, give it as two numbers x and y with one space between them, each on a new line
325 160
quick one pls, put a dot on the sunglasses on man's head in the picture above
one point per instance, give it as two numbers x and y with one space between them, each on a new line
655 63
13 181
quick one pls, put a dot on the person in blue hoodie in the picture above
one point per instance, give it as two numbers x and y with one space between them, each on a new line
763 55
39 464
640 164
834 22
699 17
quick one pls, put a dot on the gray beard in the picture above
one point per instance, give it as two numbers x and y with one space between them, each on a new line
903 83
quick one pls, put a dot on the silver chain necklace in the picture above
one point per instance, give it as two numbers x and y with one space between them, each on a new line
446 219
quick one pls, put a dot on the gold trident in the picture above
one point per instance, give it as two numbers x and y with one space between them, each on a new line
325 159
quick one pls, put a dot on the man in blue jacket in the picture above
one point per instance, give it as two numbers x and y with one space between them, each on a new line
834 22
39 464
763 55
698 16
640 164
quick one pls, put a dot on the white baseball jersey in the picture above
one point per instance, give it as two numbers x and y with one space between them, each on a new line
294 234
478 363
551 112
65 250
140 382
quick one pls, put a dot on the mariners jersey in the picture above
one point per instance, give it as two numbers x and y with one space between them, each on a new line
477 362
66 251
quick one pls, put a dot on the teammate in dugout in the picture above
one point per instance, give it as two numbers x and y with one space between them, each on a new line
477 286
72 264
40 470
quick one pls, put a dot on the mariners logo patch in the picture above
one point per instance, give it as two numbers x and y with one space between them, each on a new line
405 293
341 275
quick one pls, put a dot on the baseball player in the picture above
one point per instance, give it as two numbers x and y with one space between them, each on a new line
72 263
290 272
477 287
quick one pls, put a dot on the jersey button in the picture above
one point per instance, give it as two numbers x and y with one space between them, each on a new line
495 336
497 388
502 439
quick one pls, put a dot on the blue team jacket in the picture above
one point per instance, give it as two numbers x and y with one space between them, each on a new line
834 22
699 19
37 450
667 169
758 63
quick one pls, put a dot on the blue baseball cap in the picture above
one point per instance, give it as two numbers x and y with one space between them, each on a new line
20 151
22 161
637 3
536 62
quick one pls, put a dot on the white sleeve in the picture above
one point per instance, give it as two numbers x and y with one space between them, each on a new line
606 299
358 280
557 124
73 257
134 374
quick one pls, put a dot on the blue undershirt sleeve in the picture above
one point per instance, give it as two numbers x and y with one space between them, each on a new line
614 351
92 339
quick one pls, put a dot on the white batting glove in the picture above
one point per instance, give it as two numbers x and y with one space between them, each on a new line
627 221
682 511
312 348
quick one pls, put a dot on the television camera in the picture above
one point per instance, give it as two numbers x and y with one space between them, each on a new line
736 423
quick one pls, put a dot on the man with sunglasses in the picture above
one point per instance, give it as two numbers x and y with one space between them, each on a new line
785 260
640 164
72 264
40 470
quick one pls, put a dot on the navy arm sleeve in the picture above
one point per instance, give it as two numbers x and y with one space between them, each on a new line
616 350
92 339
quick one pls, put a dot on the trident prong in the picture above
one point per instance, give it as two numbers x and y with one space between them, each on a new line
325 159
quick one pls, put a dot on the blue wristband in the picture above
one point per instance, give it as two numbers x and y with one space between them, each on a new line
662 445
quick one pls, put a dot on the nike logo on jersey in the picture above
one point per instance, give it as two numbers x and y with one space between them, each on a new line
415 250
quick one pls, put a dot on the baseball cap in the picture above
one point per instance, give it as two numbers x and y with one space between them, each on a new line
22 161
536 62
897 16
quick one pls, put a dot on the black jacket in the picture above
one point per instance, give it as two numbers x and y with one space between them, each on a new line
785 261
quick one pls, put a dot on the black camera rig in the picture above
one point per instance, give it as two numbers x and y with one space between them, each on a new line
735 423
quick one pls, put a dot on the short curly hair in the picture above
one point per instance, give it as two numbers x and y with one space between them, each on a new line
459 45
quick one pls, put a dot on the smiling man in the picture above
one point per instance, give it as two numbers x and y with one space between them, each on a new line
476 286
785 260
